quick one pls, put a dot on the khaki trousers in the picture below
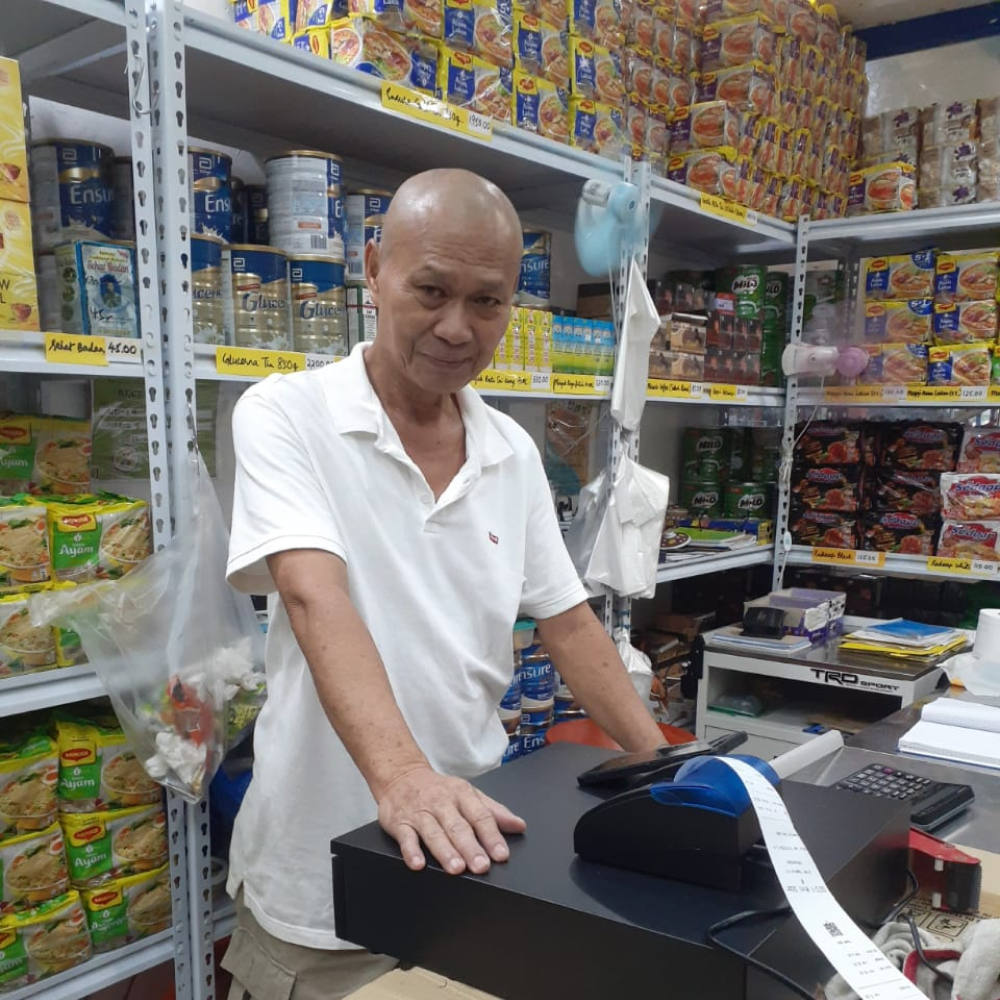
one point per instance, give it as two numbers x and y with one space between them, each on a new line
266 968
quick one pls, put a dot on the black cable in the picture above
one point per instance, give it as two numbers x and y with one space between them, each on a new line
919 949
906 900
768 970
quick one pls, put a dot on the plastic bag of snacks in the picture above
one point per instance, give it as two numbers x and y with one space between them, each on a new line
179 652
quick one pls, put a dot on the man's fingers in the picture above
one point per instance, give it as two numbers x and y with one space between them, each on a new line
409 847
506 821
437 841
463 833
478 809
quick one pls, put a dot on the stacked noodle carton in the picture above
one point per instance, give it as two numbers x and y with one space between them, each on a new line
18 290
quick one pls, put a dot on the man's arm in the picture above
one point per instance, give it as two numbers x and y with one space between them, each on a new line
585 656
460 826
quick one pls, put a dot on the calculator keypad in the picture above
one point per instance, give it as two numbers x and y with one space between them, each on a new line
887 783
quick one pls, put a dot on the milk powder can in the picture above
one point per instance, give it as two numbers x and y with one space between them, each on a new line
319 304
72 192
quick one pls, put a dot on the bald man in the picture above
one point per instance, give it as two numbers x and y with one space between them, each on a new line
400 525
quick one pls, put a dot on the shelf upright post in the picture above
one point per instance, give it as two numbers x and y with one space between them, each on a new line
618 609
167 59
782 538
143 98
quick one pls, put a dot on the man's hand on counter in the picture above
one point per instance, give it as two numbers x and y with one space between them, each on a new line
459 825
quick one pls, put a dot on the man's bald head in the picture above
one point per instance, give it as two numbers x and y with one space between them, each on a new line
452 204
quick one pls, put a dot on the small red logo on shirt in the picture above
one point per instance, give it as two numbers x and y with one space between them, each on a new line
494 539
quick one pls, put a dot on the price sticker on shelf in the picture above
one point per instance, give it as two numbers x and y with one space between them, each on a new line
893 393
857 393
541 381
848 557
933 394
71 349
254 363
314 361
993 394
727 209
722 393
123 350
507 381
428 109
666 388
946 564
974 393
982 567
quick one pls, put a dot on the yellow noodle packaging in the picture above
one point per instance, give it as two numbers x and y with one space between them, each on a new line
43 941
33 869
104 846
128 909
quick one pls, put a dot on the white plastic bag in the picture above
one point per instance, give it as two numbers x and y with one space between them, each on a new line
628 391
638 666
180 653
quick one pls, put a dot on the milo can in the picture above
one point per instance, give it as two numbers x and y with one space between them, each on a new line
705 454
123 214
744 500
238 226
365 215
534 286
305 203
211 192
72 192
255 196
777 298
702 499
206 289
255 297
319 304
747 282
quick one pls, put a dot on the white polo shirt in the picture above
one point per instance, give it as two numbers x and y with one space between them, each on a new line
438 583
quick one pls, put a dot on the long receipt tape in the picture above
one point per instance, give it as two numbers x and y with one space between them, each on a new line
866 970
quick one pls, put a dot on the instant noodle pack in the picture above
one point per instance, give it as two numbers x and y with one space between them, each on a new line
932 318
916 488
83 844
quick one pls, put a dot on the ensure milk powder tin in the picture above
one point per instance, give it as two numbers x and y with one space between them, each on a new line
206 289
211 192
123 216
538 689
365 215
319 304
255 297
305 203
72 192
534 286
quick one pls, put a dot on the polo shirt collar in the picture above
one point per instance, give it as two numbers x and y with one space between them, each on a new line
355 407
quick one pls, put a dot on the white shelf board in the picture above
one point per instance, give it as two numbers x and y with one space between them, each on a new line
683 222
702 564
48 688
809 396
901 232
755 396
895 565
23 352
101 971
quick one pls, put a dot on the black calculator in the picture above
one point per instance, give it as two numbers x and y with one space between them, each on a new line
932 802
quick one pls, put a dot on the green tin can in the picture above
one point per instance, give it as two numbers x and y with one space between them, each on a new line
777 298
748 283
702 499
745 500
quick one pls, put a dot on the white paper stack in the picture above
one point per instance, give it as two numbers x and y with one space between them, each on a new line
961 731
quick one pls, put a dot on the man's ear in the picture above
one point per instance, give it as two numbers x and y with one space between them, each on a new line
372 269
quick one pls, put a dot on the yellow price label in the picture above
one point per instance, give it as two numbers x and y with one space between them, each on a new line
994 394
507 381
429 109
71 349
728 209
666 388
945 564
255 363
574 385
848 557
723 393
856 393
933 394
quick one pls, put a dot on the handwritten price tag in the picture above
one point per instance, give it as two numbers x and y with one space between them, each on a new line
665 388
933 394
70 349
541 381
728 209
848 557
435 112
321 360
123 350
507 381
943 564
247 361
722 393
574 385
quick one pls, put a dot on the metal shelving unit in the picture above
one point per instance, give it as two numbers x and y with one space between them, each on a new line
894 564
701 565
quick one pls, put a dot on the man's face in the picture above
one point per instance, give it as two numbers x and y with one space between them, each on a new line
444 299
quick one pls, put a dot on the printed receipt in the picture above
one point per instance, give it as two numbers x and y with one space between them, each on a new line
867 971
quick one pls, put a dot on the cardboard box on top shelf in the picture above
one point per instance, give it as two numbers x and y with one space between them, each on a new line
594 301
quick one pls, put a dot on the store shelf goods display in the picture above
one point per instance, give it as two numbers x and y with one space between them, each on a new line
83 844
759 103
726 326
946 154
931 318
893 488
